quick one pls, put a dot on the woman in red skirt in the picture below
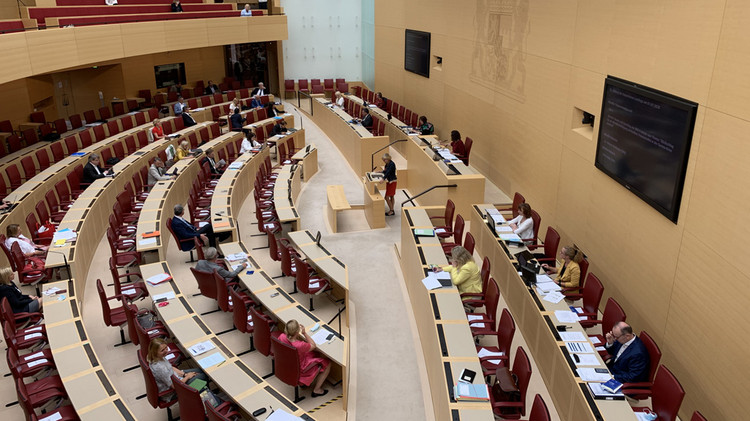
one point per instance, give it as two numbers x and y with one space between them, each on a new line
389 174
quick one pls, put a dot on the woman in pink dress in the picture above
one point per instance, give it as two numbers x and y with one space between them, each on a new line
310 362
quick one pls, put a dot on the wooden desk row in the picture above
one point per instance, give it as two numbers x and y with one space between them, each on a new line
444 332
536 320
87 385
241 383
225 101
354 141
424 172
89 218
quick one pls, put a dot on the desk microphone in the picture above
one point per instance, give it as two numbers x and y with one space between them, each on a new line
65 260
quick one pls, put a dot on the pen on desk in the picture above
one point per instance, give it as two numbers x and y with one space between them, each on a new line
219 365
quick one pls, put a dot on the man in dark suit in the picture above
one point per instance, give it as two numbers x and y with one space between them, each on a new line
217 167
629 360
236 120
184 229
187 118
367 119
211 88
260 90
92 171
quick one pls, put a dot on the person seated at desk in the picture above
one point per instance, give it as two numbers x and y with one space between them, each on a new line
92 171
424 127
176 6
260 90
279 128
183 151
163 370
184 229
211 264
457 145
236 120
249 143
217 167
380 101
310 363
156 172
256 102
464 272
179 106
19 302
629 361
389 177
339 100
366 119
271 110
211 88
569 274
234 105
187 118
246 11
156 132
28 248
522 225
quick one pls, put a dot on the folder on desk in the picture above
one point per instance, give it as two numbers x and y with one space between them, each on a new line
221 224
151 234
424 232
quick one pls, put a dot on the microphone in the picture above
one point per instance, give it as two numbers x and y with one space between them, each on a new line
65 260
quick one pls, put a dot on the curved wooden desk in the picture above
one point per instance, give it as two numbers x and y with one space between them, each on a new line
89 389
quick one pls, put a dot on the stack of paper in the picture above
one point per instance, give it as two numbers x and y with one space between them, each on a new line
546 287
590 375
579 347
431 281
503 229
565 316
64 234
157 279
573 336
587 359
236 257
510 237
471 392
236 165
167 296
279 414
201 347
147 241
322 336
484 352
554 297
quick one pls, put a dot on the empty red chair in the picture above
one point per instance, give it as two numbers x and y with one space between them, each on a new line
118 108
99 133
112 316
89 116
104 113
6 126
485 323
127 122
60 126
42 157
309 282
242 320
328 86
145 94
113 127
592 296
63 192
14 176
445 230
206 282
228 414
506 329
140 118
192 103
458 234
289 87
469 243
29 401
302 86
539 411
158 400
613 314
57 151
517 200
71 144
30 136
119 150
38 117
231 95
130 144
57 213
85 138
132 105
262 334
522 372
75 121
666 395
14 143
551 243
29 169
318 89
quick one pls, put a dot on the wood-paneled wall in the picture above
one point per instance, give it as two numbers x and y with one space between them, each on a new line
513 73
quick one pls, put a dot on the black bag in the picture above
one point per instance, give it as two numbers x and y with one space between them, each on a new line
112 161
51 137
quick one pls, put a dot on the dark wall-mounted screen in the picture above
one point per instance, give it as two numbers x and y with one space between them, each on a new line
644 142
417 52
169 74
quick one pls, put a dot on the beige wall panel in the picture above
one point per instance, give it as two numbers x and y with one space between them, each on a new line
270 28
390 13
87 83
98 42
391 50
593 29
704 343
573 191
15 105
143 38
224 31
52 49
15 50
730 86
720 185
632 37
186 33
553 31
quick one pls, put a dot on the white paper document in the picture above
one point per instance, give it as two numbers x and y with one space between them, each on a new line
36 362
54 417
510 237
503 228
471 317
484 352
236 257
431 281
281 415
566 316
600 348
573 336
579 347
544 278
201 347
51 291
590 375
157 279
546 287
167 295
211 360
587 359
321 336
147 241
554 297
594 340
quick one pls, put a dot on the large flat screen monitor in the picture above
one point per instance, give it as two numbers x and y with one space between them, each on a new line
169 74
417 52
644 142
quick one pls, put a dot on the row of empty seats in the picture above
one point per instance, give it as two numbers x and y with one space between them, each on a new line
315 87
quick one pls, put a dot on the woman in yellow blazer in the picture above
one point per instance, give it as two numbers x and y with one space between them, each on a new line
464 272
183 151
569 274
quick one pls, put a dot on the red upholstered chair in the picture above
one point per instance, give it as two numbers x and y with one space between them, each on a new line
289 87
32 224
14 143
318 89
592 296
517 200
38 117
522 372
191 404
130 144
477 299
447 226
288 368
328 87
118 108
458 234
152 390
539 411
57 151
132 105
42 157
226 302
113 127
613 314
506 329
127 122
57 212
119 150
275 244
44 216
467 147
485 323
99 133
308 282
71 144
89 116
537 221
27 273
6 126
14 176
262 334
140 118
29 401
229 413
60 126
63 192
302 86
29 169
146 94
469 243
697 416
551 243
104 113
112 316
124 259
133 289
666 395
243 321
633 390
572 292
75 121
206 282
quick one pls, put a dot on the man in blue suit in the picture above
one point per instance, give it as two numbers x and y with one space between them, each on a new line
184 229
629 360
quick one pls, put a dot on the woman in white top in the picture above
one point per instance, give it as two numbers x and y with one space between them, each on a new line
523 225
29 249
234 104
249 142
339 99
